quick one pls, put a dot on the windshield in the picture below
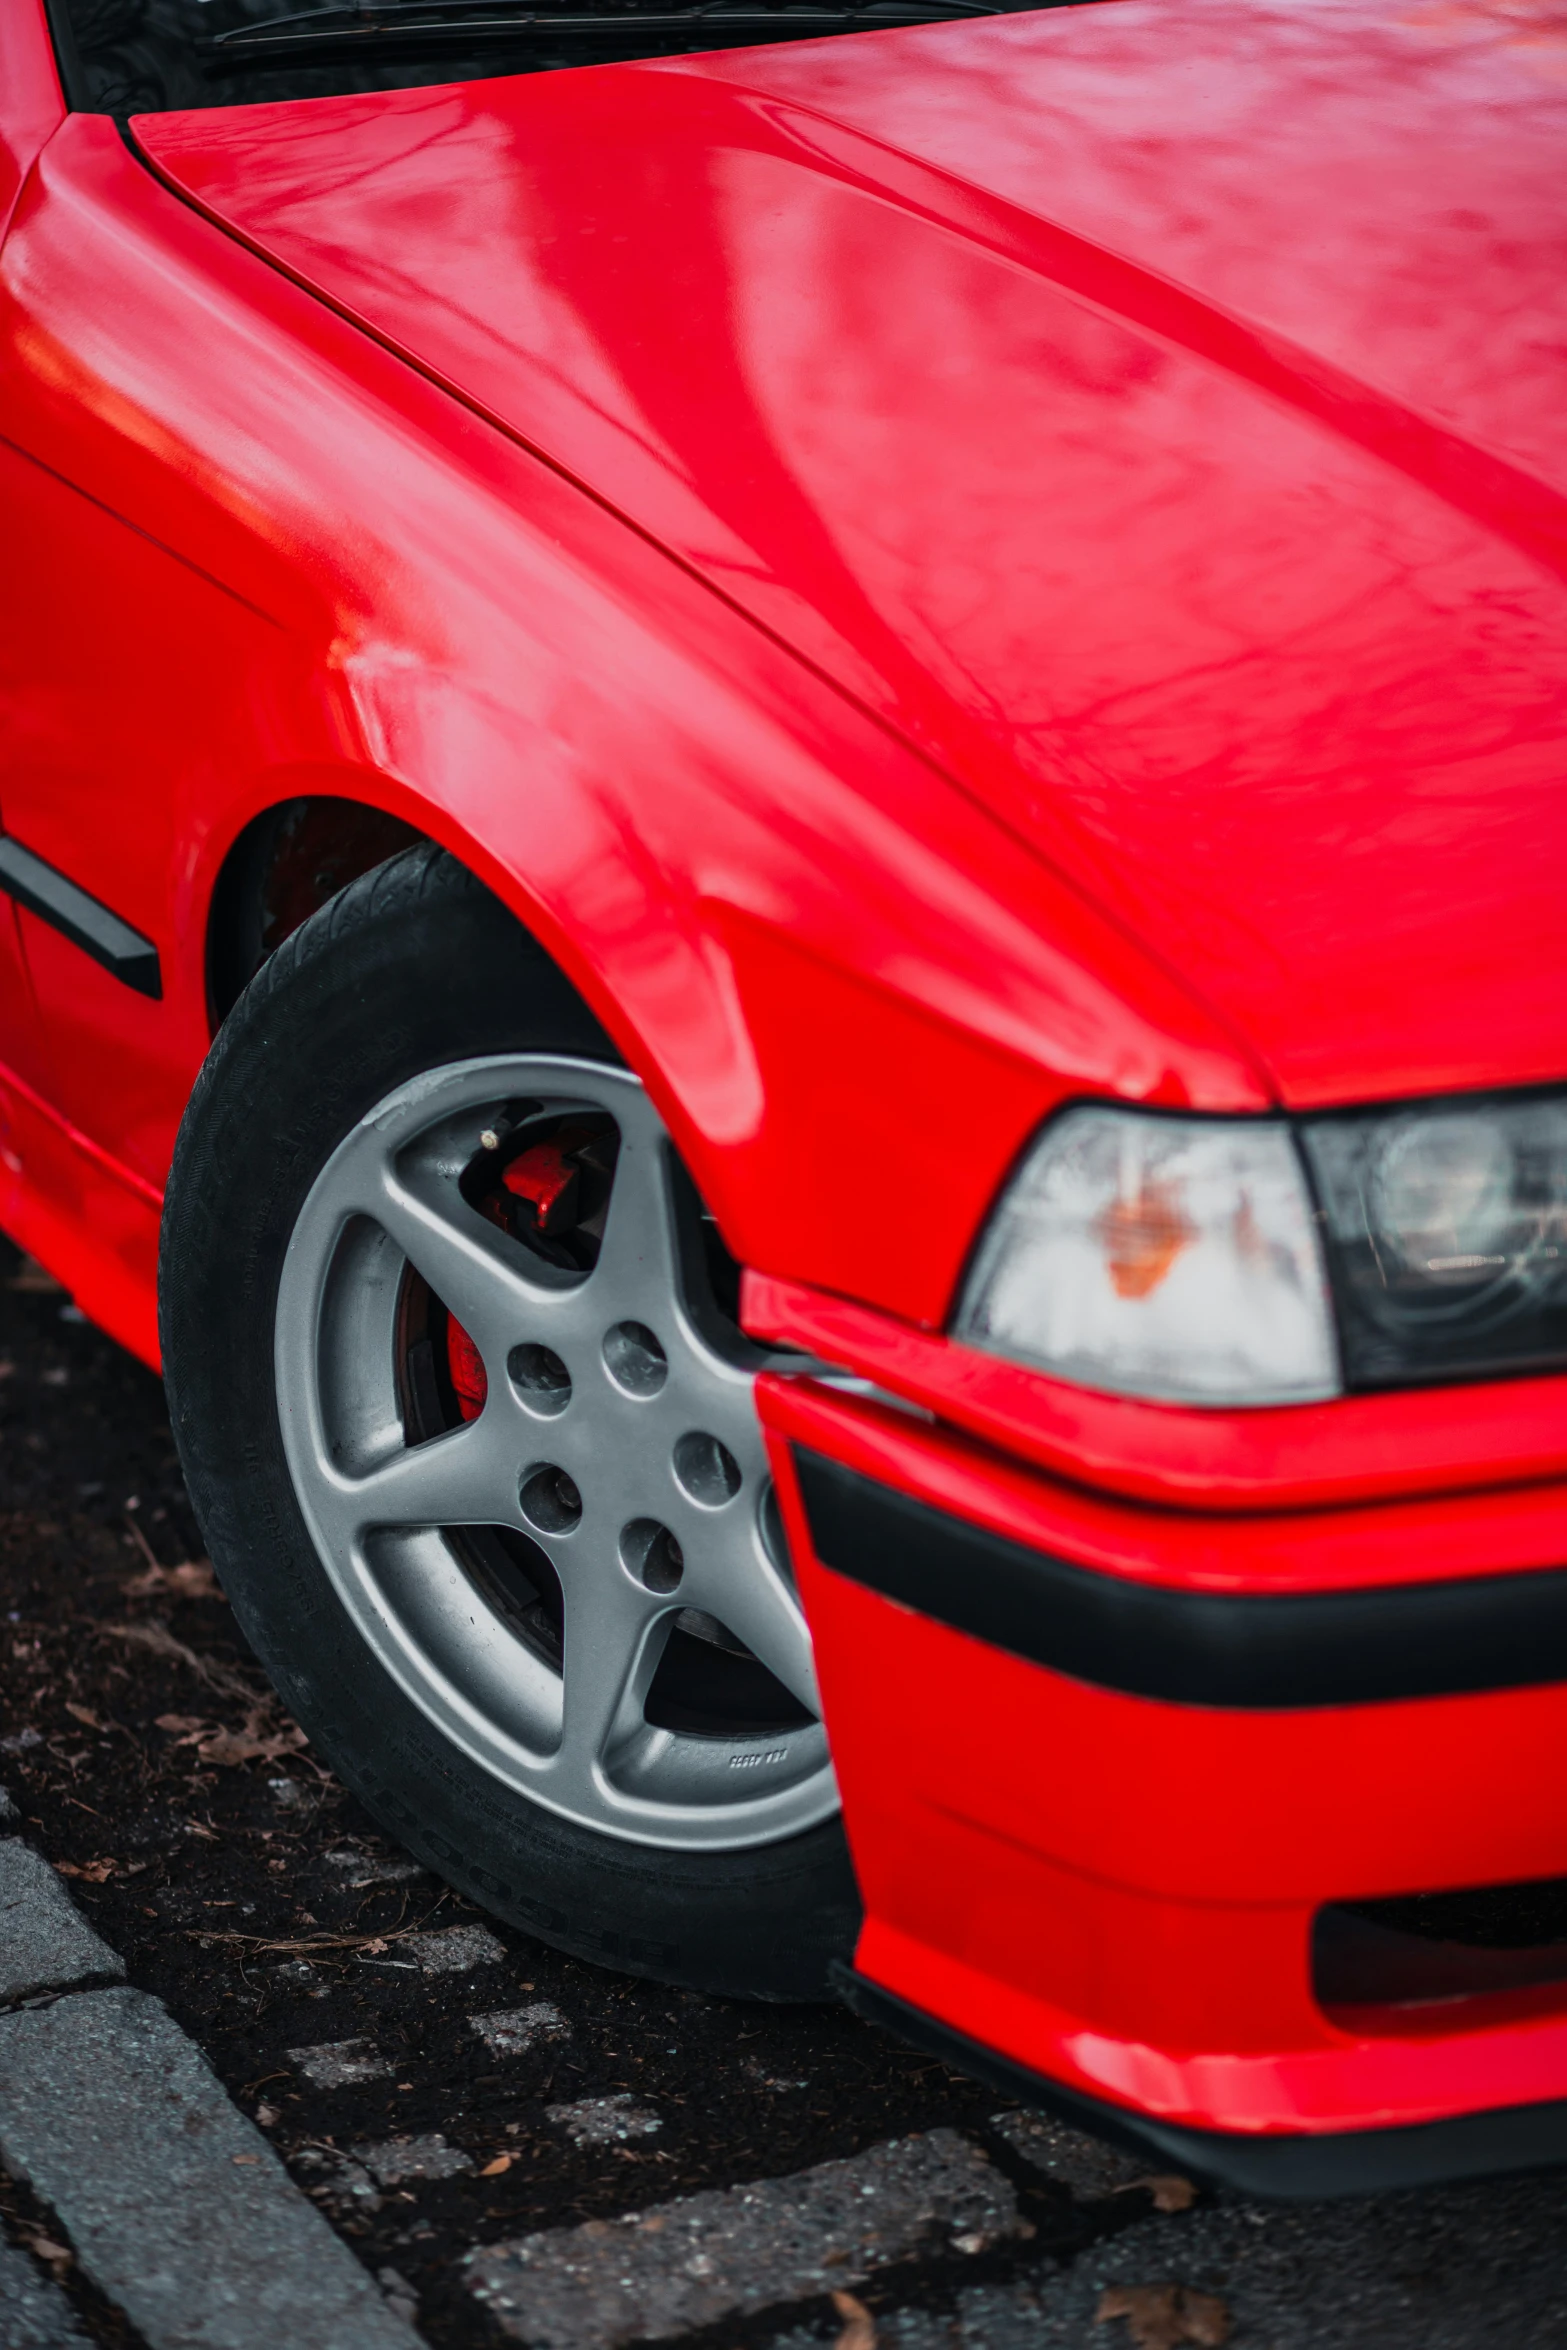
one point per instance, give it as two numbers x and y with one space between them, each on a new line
126 57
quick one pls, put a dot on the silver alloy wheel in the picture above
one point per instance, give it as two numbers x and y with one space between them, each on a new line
637 1469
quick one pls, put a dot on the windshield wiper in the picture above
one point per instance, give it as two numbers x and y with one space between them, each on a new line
348 24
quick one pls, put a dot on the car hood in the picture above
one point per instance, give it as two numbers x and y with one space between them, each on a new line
1156 410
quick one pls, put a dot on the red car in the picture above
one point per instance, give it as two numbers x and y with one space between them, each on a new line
799 808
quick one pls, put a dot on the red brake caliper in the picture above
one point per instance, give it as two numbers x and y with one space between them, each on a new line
466 1365
543 1178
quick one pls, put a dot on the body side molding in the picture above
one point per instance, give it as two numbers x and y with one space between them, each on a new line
55 899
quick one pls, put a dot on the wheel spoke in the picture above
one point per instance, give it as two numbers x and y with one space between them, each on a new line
614 1639
465 1267
466 1478
758 1607
638 1270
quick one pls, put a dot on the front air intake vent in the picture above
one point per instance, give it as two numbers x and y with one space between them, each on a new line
1420 1947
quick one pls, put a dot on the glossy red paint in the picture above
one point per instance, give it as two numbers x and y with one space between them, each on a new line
729 858
940 573
1146 408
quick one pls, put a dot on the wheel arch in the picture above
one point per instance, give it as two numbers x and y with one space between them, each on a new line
282 866
295 851
721 1007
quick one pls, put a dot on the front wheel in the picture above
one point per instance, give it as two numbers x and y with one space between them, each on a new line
472 1438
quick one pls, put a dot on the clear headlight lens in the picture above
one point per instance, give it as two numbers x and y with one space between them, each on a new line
1170 1257
1447 1236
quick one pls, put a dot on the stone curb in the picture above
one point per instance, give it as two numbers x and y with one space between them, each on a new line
174 2203
45 1942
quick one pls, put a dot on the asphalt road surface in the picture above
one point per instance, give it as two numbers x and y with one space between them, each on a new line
521 2147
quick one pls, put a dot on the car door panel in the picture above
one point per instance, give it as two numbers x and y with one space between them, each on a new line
126 682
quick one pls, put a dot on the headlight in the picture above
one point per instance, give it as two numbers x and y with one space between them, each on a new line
1171 1257
1447 1233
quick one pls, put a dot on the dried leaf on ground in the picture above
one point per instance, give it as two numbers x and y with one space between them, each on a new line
98 1872
83 1713
190 1579
859 2327
256 1742
1169 2190
34 1280
1165 2317
56 2256
160 1641
299 1944
493 2170
266 1734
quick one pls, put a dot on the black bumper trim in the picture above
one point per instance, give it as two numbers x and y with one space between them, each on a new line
46 892
1261 1652
1294 2168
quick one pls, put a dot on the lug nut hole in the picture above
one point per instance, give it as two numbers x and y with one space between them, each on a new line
541 1379
706 1469
550 1500
650 1552
634 1359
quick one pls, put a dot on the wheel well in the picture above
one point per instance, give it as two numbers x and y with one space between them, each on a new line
286 863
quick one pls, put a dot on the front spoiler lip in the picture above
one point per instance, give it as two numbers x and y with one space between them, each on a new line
1276 2166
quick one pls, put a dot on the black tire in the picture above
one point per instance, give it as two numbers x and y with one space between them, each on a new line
414 966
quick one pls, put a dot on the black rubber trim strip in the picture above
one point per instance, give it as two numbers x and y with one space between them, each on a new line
1262 1652
1282 2167
111 942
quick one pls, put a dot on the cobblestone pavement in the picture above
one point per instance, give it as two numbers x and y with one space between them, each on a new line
518 2147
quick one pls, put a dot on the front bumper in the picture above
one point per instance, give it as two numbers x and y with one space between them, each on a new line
1279 2164
1105 1766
